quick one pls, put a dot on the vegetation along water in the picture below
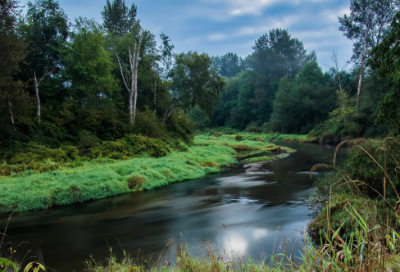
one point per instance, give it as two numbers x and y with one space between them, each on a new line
105 109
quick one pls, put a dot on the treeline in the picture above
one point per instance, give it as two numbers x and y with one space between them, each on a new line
69 82
281 88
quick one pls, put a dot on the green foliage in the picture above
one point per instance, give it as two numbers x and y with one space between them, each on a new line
303 103
118 18
238 137
98 179
6 264
385 58
153 147
194 83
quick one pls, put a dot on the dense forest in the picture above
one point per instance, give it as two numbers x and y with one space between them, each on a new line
82 82
281 88
79 83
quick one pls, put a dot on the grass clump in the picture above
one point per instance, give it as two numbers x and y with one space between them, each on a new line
135 182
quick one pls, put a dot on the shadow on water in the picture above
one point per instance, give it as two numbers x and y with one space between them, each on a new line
259 209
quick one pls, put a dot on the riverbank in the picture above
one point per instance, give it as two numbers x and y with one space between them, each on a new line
102 178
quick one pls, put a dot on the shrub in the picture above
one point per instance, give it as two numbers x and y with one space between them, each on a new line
136 182
138 144
239 137
111 149
252 127
87 141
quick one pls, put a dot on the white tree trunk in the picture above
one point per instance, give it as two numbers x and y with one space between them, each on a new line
360 82
11 111
131 73
37 96
37 83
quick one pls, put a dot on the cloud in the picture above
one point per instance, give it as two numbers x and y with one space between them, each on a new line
217 37
267 25
256 7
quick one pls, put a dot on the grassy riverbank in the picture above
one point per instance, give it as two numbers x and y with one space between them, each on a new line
105 177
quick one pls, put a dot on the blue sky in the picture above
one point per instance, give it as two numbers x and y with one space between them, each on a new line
221 26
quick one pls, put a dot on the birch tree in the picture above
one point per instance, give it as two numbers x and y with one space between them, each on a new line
12 51
46 31
367 26
129 72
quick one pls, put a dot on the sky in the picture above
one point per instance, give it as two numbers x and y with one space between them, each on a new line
217 27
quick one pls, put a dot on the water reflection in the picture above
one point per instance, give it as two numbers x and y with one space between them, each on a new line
247 213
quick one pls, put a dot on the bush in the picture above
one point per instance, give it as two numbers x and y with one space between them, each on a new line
136 182
87 141
117 150
252 127
143 145
239 137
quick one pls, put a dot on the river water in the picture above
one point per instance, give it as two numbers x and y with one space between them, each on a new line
238 212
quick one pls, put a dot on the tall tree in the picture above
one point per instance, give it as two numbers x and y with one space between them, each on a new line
277 54
129 71
12 51
46 31
228 65
367 25
386 60
164 55
118 18
194 82
89 65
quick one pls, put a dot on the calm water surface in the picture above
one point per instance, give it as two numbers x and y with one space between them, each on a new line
246 211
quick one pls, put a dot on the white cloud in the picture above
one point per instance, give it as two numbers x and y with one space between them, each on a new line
256 7
217 37
266 26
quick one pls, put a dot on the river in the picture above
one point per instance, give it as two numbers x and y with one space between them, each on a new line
238 212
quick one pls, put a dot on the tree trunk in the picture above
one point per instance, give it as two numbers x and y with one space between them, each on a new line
37 96
11 111
131 119
360 82
155 94
131 74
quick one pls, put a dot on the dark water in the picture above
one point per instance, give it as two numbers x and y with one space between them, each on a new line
244 213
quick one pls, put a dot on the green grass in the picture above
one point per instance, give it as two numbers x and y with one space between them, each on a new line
98 179
265 158
90 180
264 137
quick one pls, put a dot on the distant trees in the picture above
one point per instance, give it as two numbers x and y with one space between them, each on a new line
194 82
228 65
302 103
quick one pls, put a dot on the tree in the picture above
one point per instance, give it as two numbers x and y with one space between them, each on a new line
129 69
46 32
89 64
164 55
385 58
194 82
117 18
366 26
12 51
277 54
302 103
228 65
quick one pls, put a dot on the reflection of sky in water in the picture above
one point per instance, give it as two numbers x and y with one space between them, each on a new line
259 209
